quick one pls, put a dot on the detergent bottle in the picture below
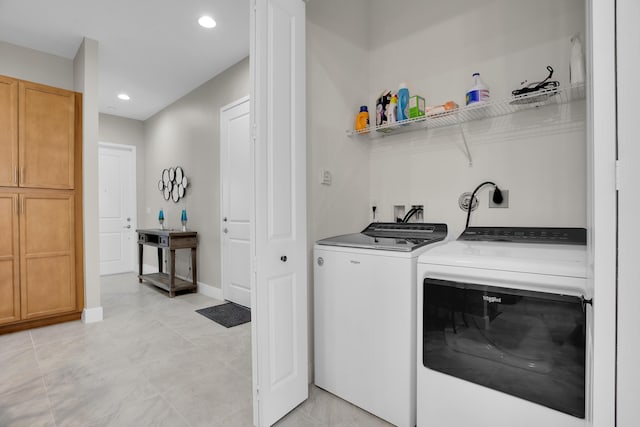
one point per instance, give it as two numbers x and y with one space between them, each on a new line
392 109
479 92
362 120
403 103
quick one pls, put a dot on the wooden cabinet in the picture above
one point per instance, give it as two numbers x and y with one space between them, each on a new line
46 136
9 259
8 132
37 135
47 254
41 271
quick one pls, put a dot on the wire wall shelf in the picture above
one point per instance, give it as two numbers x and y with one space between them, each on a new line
473 112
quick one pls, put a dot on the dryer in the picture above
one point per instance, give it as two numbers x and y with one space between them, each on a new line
365 316
503 329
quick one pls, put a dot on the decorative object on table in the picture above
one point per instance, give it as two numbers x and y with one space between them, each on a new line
161 219
173 184
227 314
183 219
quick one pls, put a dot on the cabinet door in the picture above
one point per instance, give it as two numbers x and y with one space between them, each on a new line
9 261
47 254
46 135
8 132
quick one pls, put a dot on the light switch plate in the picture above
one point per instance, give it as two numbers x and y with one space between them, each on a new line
325 177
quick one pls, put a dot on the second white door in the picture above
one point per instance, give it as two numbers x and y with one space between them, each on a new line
117 207
235 178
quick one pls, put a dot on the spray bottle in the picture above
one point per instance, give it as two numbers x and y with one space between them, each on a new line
576 67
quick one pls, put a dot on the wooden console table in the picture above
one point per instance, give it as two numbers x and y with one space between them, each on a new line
172 240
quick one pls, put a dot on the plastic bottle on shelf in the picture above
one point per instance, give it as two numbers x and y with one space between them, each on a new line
392 109
362 120
576 67
403 103
479 92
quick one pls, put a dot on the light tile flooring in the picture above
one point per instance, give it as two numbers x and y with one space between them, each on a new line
153 361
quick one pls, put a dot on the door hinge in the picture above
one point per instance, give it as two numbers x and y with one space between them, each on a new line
254 128
618 177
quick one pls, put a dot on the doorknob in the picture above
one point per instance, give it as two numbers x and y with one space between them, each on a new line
128 226
225 231
224 219
283 258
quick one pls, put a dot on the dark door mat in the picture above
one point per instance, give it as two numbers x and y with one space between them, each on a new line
227 314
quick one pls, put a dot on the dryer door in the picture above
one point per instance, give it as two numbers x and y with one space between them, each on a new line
524 343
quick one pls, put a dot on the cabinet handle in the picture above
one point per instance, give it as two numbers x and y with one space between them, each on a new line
16 207
24 208
15 175
22 175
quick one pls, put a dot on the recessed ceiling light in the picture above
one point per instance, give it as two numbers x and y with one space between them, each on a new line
124 97
207 21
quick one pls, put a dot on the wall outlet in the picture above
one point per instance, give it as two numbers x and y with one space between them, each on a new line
505 199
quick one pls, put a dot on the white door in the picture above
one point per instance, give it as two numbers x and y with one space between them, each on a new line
279 281
116 207
235 179
628 342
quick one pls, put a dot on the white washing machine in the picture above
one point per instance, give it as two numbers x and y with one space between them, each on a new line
503 329
365 316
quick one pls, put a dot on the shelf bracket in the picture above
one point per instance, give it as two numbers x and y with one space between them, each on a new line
464 140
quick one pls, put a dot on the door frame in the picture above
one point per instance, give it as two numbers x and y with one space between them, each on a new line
134 196
602 212
628 342
225 108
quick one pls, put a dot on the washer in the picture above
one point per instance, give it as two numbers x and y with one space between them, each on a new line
504 329
365 316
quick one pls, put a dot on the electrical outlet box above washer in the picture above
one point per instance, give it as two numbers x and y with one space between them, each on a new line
505 199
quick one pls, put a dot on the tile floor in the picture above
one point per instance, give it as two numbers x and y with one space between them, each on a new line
153 361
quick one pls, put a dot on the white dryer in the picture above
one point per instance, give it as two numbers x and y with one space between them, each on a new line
503 317
365 316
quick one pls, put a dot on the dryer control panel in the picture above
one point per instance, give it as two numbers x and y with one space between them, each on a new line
549 235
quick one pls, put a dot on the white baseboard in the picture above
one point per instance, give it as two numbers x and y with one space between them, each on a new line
203 288
92 315
210 291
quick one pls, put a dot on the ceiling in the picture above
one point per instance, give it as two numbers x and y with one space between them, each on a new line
153 50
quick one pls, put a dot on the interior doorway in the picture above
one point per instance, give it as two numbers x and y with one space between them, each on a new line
117 207
235 192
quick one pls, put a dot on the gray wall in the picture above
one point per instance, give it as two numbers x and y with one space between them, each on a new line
187 134
337 84
85 77
36 66
119 130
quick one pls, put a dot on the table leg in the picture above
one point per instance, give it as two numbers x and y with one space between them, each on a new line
160 260
194 269
140 250
172 280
